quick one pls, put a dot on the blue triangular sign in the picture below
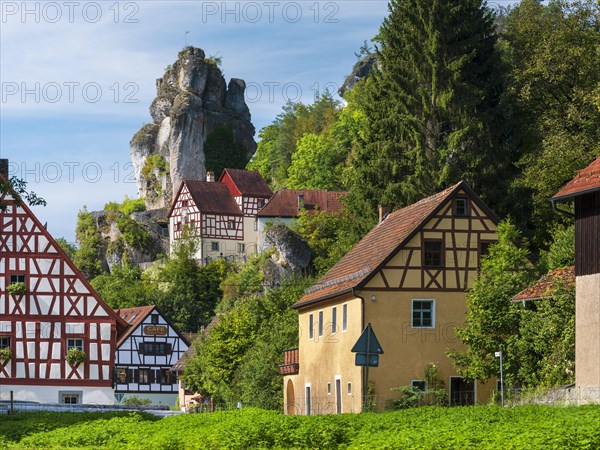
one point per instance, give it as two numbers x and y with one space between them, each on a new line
367 342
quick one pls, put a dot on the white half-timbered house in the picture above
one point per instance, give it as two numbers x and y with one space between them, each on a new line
219 215
146 352
49 309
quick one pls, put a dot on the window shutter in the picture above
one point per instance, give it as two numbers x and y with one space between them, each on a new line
151 376
169 349
142 349
129 377
136 375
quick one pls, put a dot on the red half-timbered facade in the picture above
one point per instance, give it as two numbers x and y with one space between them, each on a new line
55 310
219 215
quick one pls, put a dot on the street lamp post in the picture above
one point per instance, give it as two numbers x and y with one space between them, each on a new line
499 355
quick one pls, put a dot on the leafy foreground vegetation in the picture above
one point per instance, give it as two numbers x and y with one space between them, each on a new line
430 427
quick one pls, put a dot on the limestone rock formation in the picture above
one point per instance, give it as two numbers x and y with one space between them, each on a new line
360 70
294 253
192 100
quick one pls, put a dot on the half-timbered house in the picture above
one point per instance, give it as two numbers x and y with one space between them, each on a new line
286 205
219 215
146 351
48 308
407 278
584 191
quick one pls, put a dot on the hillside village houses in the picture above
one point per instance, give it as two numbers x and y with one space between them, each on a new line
407 278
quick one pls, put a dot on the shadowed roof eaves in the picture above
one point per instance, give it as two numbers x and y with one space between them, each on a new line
546 286
587 180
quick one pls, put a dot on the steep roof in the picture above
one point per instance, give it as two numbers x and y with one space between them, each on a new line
135 316
285 202
212 197
248 182
546 286
381 244
586 180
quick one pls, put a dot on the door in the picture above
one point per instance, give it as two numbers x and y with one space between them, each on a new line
290 398
462 392
338 396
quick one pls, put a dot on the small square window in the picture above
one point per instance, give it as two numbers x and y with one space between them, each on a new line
261 203
241 248
432 253
231 224
17 279
461 206
4 342
154 319
422 314
184 204
420 385
214 246
74 343
178 226
70 399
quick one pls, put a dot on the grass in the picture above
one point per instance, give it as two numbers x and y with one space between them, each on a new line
482 427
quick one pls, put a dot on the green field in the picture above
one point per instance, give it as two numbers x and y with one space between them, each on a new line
483 427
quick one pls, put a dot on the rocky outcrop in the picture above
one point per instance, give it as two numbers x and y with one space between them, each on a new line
138 238
361 70
192 100
293 252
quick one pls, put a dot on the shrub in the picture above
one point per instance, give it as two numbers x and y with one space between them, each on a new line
5 354
137 401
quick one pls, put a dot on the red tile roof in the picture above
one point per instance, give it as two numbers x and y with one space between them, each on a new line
133 317
586 180
249 182
285 202
546 286
213 197
379 245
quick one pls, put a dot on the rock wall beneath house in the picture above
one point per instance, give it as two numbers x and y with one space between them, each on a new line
293 256
192 100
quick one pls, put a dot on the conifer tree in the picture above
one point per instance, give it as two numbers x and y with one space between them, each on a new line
430 103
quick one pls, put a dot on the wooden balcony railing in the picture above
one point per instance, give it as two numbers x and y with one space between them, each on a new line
291 362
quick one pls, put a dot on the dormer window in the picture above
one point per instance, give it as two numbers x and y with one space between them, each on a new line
461 206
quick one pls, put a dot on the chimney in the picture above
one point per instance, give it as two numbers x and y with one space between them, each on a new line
300 201
4 168
210 177
384 210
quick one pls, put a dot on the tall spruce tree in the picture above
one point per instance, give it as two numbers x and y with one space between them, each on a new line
430 104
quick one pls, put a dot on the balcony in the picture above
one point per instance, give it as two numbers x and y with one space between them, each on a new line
290 364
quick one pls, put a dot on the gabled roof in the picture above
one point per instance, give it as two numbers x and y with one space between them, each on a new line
285 202
587 180
248 182
209 197
135 316
546 286
373 251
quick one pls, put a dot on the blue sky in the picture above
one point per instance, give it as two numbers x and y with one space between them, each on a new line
77 78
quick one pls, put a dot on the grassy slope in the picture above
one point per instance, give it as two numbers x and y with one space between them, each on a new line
425 428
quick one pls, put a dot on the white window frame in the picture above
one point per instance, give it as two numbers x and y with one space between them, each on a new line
337 378
214 244
311 326
412 310
80 347
334 320
320 325
241 248
345 317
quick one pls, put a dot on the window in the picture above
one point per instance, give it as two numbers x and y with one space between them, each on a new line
349 388
420 385
184 204
320 323
155 348
484 247
17 279
261 203
214 246
154 319
144 376
121 374
311 326
4 342
241 248
231 224
328 388
461 206
432 253
74 343
165 376
344 317
255 224
422 314
307 400
70 398
333 320
178 226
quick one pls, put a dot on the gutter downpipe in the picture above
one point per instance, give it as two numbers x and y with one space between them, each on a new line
562 211
365 386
